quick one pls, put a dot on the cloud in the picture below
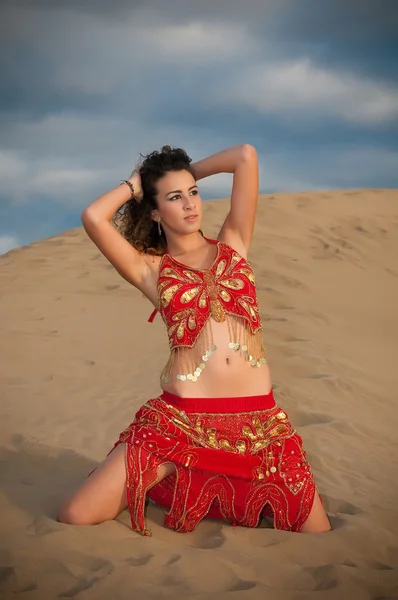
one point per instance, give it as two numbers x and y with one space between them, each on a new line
8 242
89 85
300 87
71 159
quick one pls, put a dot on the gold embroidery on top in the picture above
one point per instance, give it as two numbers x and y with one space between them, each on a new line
169 272
233 283
225 296
168 294
221 267
189 294
203 300
248 273
216 308
209 288
195 278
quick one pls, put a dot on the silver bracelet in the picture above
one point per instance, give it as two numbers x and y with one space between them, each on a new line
127 182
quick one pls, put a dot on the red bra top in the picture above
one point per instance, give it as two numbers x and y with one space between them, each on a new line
188 296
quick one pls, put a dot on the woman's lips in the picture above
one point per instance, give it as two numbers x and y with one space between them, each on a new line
191 218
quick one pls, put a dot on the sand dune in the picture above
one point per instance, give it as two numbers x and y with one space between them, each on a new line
78 360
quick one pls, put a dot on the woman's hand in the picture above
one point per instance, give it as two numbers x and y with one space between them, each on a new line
135 180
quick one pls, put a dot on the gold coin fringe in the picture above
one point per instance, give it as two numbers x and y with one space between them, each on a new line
192 361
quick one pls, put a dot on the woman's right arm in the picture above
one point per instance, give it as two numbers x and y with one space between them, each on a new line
96 219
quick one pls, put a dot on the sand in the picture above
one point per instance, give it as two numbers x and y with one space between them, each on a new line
78 360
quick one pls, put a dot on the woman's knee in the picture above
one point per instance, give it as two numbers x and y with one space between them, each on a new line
71 513
317 521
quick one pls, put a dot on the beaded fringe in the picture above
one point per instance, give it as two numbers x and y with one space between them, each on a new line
192 361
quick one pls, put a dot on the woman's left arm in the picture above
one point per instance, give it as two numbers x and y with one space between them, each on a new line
242 161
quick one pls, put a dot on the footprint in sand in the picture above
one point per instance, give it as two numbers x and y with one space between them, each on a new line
139 561
349 563
110 288
210 537
173 559
301 419
79 564
325 577
241 585
285 307
360 229
338 506
368 564
376 565
44 525
9 582
8 578
280 319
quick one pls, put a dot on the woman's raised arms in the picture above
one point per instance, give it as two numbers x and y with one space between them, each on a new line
136 268
237 230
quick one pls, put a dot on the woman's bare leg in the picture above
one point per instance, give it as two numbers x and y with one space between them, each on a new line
103 495
317 521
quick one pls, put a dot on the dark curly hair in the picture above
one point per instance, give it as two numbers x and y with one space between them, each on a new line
134 219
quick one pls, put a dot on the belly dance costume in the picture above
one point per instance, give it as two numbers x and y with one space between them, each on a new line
236 458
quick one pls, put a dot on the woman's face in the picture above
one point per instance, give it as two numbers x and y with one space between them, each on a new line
179 203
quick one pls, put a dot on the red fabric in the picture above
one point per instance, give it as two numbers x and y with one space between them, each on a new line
189 296
152 315
236 459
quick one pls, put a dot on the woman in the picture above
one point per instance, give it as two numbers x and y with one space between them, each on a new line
214 443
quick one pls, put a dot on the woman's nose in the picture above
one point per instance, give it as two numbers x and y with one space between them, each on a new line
189 203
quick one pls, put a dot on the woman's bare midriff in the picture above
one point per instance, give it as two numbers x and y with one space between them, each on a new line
227 373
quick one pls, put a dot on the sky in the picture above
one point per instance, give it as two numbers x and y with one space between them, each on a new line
88 85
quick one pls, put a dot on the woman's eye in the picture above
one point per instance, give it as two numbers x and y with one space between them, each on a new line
195 192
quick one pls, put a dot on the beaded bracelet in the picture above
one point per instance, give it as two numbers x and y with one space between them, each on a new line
127 182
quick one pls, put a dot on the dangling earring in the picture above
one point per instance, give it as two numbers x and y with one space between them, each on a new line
159 228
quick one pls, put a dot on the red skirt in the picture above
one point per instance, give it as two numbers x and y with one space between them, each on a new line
236 459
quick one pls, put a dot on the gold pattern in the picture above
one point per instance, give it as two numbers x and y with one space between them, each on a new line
233 284
221 268
217 311
189 295
262 436
249 274
169 293
287 471
225 296
207 289
192 276
203 300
